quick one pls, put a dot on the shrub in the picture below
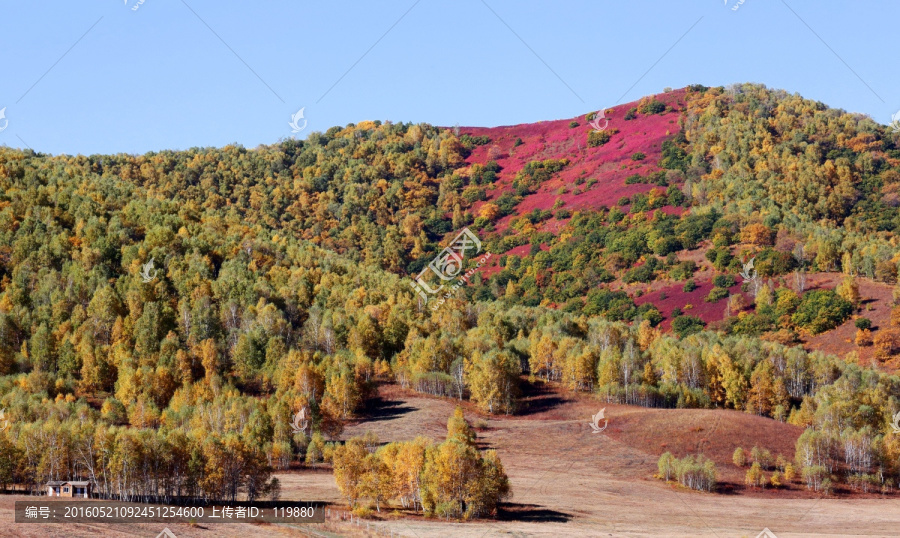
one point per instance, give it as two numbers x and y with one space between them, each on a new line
863 323
651 314
716 294
689 286
789 472
821 310
696 472
470 141
643 273
723 260
653 107
885 343
723 281
673 157
631 114
614 305
737 303
755 477
687 325
666 466
598 138
315 449
775 480
573 124
638 156
863 337
474 194
761 456
780 463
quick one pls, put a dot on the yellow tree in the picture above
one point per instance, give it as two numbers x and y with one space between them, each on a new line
580 369
727 384
542 355
209 358
458 428
349 469
491 488
377 482
647 335
492 380
408 465
450 468
761 389
849 290
457 482
341 395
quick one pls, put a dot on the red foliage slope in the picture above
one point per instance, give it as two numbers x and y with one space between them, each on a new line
609 164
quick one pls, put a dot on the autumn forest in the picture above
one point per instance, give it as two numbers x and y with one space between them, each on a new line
695 254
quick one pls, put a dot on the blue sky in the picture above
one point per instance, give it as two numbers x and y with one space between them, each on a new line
101 77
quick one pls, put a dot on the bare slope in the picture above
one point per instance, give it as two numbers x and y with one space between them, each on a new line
569 482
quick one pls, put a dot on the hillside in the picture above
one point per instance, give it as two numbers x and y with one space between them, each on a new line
191 304
568 482
786 237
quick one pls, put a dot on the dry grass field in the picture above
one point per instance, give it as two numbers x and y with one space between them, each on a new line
569 482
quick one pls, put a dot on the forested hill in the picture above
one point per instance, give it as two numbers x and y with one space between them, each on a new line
280 277
580 213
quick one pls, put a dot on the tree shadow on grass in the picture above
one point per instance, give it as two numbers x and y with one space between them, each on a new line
378 409
530 513
537 398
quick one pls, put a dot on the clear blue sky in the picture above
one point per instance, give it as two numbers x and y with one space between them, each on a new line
99 77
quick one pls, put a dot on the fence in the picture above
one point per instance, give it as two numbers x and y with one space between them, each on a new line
360 523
